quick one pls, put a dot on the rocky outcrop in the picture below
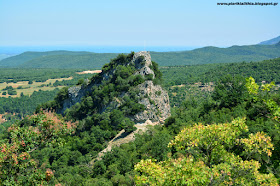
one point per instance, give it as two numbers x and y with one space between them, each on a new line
75 95
153 97
142 62
156 101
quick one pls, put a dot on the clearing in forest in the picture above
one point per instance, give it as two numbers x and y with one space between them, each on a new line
28 89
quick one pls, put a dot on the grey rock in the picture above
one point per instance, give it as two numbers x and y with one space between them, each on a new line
156 101
153 97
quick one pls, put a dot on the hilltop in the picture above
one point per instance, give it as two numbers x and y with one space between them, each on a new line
127 91
271 41
128 85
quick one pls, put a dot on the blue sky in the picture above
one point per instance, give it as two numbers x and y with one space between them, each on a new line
135 23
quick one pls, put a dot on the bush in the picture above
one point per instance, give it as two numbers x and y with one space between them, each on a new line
137 80
12 92
149 77
8 88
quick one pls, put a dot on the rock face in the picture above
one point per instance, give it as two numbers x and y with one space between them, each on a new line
153 97
75 95
156 101
142 62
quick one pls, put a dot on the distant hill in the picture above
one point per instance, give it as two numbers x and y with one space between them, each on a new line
84 61
88 60
3 56
56 59
267 70
209 55
271 41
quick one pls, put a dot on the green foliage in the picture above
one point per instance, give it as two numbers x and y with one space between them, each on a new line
106 109
38 75
121 59
81 82
207 158
138 79
8 88
25 105
61 96
131 107
12 92
100 104
262 71
206 55
210 55
260 94
17 167
57 59
158 75
149 77
158 93
128 125
230 91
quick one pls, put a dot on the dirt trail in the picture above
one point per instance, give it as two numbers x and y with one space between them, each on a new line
122 138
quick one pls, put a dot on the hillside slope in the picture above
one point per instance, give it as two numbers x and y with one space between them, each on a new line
209 55
267 70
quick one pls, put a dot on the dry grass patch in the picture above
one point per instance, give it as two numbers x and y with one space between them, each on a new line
90 72
28 89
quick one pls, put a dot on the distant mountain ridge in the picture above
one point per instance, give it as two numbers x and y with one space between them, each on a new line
209 55
88 60
52 59
271 41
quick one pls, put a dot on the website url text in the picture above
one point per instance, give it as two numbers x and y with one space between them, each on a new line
248 3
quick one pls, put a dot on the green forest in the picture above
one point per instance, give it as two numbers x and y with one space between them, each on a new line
223 128
85 60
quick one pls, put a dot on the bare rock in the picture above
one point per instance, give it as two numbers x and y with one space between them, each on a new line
156 101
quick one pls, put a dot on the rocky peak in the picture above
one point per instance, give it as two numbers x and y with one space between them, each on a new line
153 97
142 61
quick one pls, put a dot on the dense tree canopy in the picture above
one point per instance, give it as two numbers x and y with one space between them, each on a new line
205 141
207 158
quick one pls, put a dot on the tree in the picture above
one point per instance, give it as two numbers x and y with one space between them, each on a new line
260 94
230 91
206 156
41 130
12 92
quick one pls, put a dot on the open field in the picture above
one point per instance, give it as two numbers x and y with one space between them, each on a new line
28 89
